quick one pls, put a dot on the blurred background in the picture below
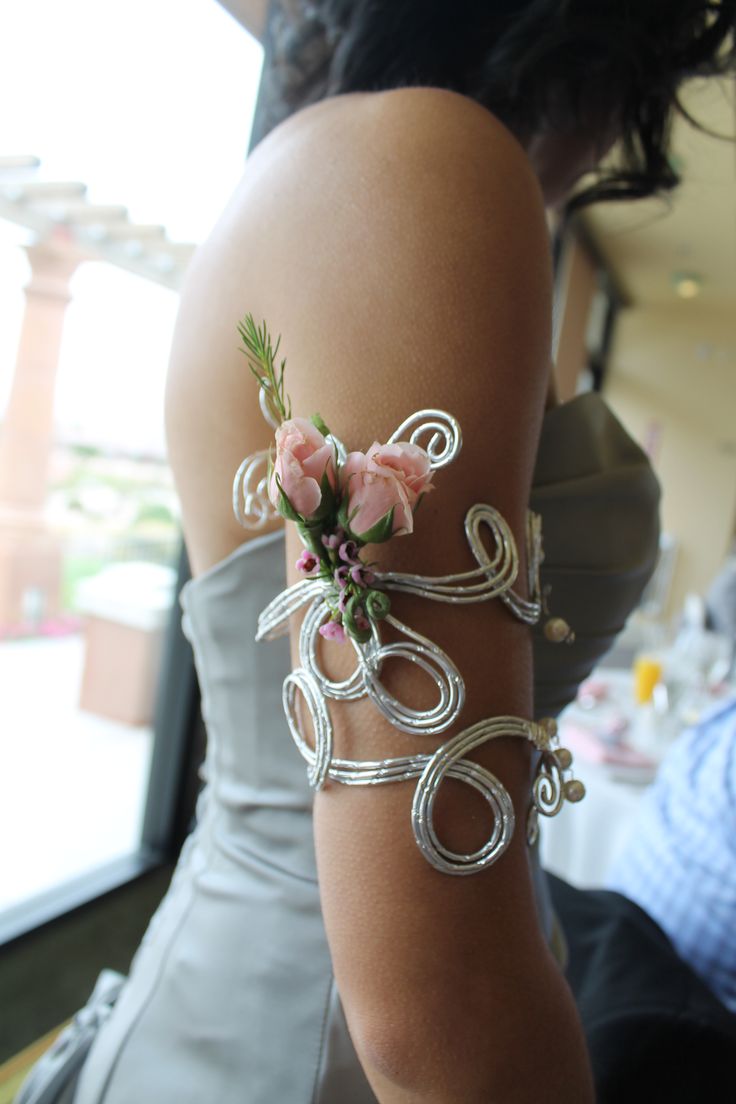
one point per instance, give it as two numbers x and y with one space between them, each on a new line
124 132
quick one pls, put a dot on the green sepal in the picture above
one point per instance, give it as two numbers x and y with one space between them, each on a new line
348 620
285 508
328 501
380 532
377 605
317 422
311 538
344 519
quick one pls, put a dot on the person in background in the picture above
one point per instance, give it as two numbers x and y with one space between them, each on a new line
680 862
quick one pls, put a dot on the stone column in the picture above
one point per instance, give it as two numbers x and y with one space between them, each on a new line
30 559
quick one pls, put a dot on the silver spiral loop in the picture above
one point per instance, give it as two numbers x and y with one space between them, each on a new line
451 755
251 505
529 610
365 680
431 659
548 788
429 770
446 440
266 410
318 759
349 689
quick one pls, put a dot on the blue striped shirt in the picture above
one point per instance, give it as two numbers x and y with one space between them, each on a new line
680 861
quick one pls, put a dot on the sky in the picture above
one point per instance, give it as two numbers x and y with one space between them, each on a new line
150 103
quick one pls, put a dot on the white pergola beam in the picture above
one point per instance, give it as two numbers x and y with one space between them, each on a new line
17 161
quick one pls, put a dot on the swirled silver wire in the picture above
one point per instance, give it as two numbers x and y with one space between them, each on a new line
529 610
548 788
365 680
273 621
251 505
349 689
430 771
493 578
446 440
438 768
431 659
319 758
266 409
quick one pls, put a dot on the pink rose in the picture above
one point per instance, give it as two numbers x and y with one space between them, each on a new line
373 491
409 462
302 458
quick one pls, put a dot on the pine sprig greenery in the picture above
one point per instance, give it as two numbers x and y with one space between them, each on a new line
261 355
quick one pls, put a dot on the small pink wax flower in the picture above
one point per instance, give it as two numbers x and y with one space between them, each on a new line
349 552
361 620
303 456
361 575
341 576
333 540
307 562
333 630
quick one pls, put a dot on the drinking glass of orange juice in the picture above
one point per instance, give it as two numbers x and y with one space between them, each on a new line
647 673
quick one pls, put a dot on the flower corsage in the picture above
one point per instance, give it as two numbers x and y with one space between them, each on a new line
340 502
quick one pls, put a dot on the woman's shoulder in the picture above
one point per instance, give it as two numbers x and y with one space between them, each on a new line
402 234
408 188
425 135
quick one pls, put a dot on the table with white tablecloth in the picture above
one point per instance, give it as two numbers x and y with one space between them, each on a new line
581 842
602 728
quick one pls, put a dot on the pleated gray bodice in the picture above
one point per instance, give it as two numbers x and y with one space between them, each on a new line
231 998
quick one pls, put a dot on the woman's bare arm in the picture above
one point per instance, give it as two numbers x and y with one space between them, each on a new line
398 244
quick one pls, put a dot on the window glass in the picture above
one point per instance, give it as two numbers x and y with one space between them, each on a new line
126 137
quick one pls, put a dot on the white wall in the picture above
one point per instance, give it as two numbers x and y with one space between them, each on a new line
672 382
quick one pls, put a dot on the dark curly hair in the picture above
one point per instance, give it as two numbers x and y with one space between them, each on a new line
538 65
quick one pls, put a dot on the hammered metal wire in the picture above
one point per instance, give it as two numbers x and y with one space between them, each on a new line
445 442
266 409
494 577
429 770
251 504
273 621
365 680
319 759
548 786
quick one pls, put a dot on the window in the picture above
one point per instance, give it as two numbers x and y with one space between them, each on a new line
118 155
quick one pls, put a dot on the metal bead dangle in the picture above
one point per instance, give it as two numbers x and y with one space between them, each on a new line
557 631
550 788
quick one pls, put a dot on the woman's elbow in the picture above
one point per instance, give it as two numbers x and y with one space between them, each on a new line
460 1049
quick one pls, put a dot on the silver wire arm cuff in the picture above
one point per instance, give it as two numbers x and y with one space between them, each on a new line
494 576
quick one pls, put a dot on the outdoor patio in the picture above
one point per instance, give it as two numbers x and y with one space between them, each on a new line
72 784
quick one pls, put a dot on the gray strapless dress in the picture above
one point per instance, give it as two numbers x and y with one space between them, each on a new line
231 998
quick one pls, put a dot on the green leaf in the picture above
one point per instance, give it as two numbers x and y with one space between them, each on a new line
317 422
261 355
285 508
344 519
328 502
381 531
